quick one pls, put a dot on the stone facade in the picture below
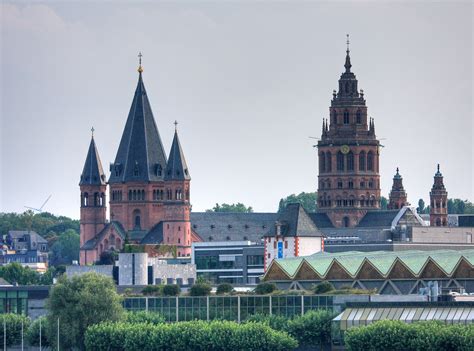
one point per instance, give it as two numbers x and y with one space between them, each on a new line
438 202
349 179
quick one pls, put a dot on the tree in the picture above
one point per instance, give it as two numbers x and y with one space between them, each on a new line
383 203
307 200
421 206
65 249
323 288
238 207
15 273
78 303
108 258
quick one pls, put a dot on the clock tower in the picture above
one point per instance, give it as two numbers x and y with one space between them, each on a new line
349 179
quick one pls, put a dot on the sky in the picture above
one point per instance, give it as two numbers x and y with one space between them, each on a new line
249 84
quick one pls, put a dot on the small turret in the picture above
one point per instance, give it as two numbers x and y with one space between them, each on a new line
438 202
398 196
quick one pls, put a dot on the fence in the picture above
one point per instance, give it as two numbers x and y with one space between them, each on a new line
232 308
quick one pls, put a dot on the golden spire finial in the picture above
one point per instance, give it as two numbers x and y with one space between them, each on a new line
140 67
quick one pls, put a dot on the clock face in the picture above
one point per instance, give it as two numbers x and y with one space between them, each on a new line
345 149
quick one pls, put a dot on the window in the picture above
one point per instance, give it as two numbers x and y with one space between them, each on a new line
137 219
346 117
339 184
275 244
346 222
359 117
370 161
286 244
328 162
362 161
350 161
340 162
322 158
334 117
362 184
351 184
371 184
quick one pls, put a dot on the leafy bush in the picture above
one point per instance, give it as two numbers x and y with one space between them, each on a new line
144 317
313 328
33 333
396 335
153 290
224 288
13 327
195 335
323 288
171 290
265 288
200 289
273 321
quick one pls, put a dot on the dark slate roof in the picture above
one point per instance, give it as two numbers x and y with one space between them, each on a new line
228 226
92 173
154 235
295 221
176 168
141 149
92 243
381 218
3 282
321 220
34 236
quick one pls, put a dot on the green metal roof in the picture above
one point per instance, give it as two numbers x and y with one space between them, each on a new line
383 261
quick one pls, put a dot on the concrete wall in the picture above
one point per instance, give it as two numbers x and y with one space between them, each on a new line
451 235
185 272
106 270
133 268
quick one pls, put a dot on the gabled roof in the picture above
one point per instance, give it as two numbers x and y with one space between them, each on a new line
418 263
295 221
92 173
177 168
140 156
154 235
383 218
92 243
34 236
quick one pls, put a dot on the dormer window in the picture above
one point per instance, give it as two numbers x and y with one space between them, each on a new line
136 170
158 170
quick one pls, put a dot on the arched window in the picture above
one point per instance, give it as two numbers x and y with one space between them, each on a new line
86 199
328 162
340 161
346 117
129 195
334 117
362 161
438 222
137 220
143 194
322 160
359 117
370 161
350 161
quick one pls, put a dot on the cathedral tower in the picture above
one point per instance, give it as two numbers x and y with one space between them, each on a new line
177 224
137 174
438 202
349 179
93 189
398 197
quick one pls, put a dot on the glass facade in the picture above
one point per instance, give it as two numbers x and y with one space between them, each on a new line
15 301
233 308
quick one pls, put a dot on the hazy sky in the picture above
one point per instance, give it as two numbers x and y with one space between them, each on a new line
249 84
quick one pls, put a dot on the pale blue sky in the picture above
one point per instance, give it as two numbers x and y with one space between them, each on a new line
249 84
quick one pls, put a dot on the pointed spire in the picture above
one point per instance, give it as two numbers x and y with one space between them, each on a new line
397 175
348 65
92 173
177 168
140 156
438 173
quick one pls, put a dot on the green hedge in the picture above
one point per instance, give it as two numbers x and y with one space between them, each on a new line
13 327
195 335
396 335
33 333
311 329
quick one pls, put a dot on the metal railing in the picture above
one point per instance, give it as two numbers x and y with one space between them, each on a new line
233 308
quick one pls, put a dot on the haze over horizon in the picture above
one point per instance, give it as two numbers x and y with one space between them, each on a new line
249 84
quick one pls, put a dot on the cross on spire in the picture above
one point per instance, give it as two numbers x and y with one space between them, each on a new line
140 68
175 125
92 131
347 42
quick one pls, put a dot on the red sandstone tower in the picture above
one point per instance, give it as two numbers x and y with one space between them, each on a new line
93 188
349 179
398 196
438 202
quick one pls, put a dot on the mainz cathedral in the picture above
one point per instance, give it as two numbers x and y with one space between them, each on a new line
149 193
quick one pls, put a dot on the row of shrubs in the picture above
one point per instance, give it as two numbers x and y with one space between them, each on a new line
195 335
397 335
311 329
